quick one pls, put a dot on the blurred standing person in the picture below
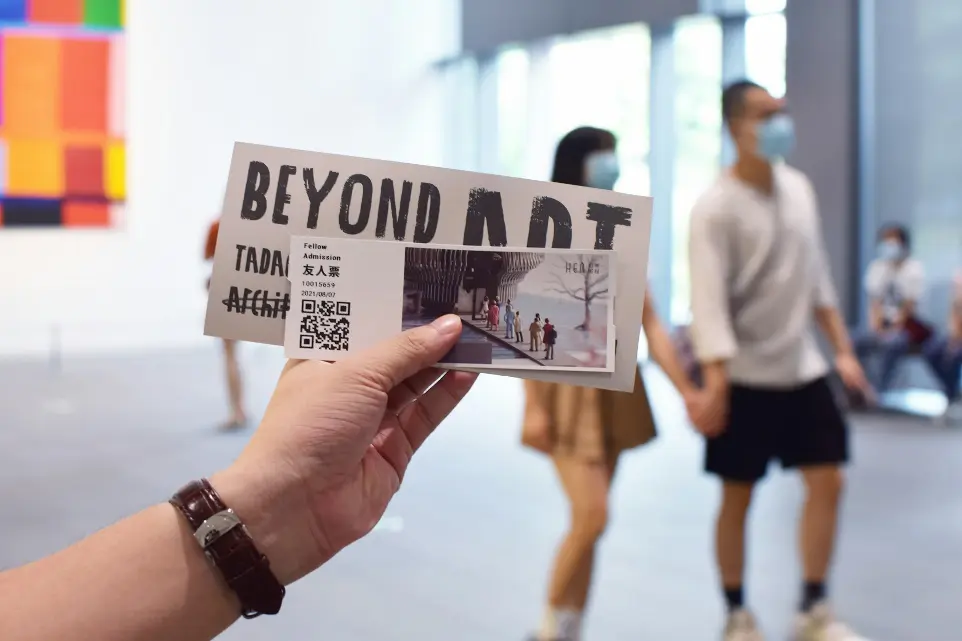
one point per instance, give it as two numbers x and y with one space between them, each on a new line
508 320
944 353
518 327
583 430
235 386
895 282
759 277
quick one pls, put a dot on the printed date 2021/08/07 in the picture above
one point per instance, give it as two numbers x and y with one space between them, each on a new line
306 293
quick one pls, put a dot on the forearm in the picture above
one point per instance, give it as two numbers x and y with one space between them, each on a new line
955 325
874 316
663 353
715 375
144 578
833 327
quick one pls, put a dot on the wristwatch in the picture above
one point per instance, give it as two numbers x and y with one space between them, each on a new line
229 547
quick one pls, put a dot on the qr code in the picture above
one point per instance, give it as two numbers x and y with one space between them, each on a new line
326 325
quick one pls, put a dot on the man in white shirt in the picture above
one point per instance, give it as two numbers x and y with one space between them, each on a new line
759 278
894 283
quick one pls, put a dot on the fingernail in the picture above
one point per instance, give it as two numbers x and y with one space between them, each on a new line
447 325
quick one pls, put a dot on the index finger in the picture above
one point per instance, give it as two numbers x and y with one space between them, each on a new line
419 419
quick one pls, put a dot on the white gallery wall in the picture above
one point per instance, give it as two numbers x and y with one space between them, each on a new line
329 75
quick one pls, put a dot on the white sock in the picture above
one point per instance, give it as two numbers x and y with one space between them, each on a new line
560 623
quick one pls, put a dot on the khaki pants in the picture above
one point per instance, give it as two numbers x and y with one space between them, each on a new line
536 342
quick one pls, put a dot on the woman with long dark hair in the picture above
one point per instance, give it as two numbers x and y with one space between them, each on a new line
585 430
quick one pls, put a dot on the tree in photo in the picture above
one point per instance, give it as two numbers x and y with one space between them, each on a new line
592 283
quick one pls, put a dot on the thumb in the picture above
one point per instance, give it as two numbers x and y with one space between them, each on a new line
398 358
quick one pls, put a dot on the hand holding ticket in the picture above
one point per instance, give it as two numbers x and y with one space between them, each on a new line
521 309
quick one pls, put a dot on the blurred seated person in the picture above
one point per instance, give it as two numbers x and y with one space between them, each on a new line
944 352
894 282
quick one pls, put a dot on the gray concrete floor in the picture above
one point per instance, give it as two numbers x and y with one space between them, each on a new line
475 526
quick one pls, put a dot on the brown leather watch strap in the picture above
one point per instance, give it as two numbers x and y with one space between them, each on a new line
230 548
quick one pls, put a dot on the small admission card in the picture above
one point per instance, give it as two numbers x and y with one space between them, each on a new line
550 309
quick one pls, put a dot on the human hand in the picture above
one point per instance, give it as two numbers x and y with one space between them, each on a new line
334 444
708 410
695 400
853 376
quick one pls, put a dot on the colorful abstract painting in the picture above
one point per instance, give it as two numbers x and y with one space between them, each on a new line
62 155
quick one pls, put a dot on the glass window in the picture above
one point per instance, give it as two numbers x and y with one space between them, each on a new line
598 78
513 68
601 78
915 85
461 97
698 81
756 7
765 49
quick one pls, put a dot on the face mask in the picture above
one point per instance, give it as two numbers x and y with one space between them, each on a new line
602 170
889 250
776 137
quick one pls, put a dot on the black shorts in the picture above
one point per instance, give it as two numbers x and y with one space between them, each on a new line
800 427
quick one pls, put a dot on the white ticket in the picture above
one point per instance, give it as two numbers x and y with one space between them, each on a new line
521 309
274 193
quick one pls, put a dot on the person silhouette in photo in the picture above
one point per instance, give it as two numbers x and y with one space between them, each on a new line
508 320
235 385
518 336
550 337
535 331
485 304
493 315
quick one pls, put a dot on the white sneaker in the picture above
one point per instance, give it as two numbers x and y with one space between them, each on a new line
953 413
820 624
741 627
